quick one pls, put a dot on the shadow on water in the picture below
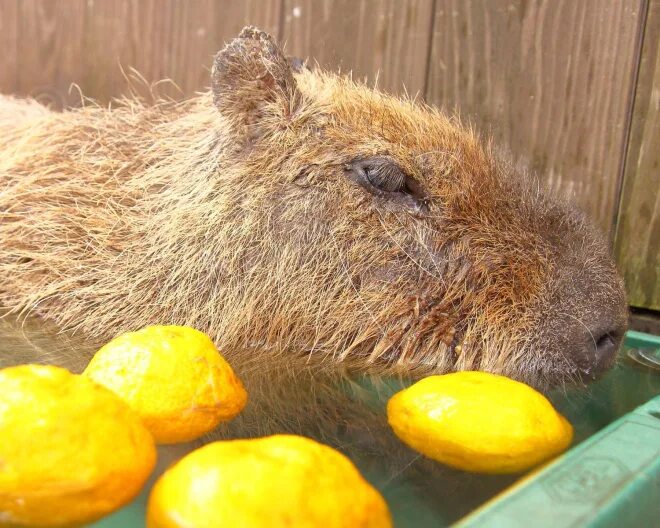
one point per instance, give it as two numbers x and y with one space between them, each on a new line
347 413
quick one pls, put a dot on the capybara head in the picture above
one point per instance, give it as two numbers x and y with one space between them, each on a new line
392 236
302 214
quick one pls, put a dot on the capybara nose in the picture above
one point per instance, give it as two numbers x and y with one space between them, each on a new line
602 349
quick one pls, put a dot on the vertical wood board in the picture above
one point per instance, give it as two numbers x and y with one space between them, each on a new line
50 45
638 233
388 40
8 45
166 42
50 52
551 80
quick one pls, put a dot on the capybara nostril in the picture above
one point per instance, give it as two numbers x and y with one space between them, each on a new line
603 347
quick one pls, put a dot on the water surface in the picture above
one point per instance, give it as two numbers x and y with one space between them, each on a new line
348 414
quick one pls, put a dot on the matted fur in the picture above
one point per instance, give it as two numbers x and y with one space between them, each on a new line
231 212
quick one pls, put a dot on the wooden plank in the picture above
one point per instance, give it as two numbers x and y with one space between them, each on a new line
126 35
8 45
551 80
163 39
388 39
50 48
638 232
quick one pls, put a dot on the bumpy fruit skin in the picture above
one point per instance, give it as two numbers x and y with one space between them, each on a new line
479 422
174 377
70 450
272 482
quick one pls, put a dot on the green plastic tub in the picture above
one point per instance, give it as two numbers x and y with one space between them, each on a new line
610 476
611 479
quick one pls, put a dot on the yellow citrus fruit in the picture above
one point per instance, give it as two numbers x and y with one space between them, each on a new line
271 482
480 422
70 450
174 377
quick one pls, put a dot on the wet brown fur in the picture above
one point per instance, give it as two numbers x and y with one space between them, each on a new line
232 212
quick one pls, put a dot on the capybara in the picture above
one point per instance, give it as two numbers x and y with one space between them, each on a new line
296 214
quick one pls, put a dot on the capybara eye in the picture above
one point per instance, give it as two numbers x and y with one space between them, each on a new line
383 177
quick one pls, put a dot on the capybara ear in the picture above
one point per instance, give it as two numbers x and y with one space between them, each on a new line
252 79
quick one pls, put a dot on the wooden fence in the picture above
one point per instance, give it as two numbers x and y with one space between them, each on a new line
572 88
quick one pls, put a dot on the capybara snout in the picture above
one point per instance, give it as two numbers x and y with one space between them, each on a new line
301 215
